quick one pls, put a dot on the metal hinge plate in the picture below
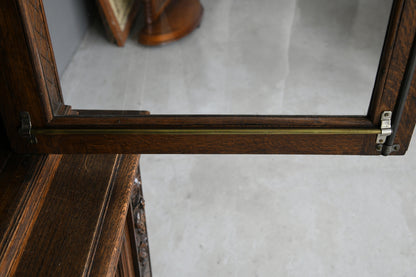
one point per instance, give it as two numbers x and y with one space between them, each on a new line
25 129
386 129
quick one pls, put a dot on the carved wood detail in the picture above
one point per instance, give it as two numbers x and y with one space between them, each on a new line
140 228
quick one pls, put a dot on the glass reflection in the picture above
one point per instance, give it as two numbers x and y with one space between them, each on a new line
247 57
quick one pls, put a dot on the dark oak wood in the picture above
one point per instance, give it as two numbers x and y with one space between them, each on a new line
4 146
167 21
394 59
407 124
383 73
70 219
210 122
24 183
405 37
22 84
126 266
30 83
211 144
66 215
113 229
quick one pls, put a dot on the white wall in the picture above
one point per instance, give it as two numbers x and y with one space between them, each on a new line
67 21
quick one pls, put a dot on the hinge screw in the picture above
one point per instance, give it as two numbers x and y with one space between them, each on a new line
390 149
25 129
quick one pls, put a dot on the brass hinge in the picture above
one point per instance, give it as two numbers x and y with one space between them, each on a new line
385 127
386 130
25 129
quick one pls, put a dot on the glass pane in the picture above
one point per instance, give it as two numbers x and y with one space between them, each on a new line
247 57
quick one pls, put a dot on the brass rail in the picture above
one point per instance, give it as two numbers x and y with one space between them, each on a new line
316 131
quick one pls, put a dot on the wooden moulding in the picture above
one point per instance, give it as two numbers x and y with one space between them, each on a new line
24 183
125 266
116 219
65 215
211 144
137 227
175 20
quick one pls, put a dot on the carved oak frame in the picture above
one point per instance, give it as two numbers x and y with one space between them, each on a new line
30 83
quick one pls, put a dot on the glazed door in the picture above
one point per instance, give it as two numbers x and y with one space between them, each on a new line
38 120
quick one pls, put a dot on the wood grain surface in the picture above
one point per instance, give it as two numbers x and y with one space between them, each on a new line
113 229
70 219
211 144
65 215
24 183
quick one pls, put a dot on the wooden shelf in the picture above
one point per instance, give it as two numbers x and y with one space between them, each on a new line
71 215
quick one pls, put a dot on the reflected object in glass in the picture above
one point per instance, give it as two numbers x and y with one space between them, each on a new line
169 20
118 17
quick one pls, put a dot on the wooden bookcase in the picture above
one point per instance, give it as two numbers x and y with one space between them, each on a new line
72 215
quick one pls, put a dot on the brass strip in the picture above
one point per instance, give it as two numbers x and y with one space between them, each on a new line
51 132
